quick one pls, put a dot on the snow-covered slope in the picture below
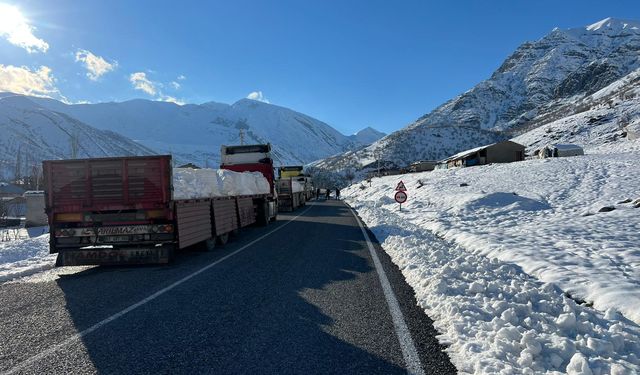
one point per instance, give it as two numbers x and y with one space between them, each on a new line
194 133
541 82
519 265
600 119
30 133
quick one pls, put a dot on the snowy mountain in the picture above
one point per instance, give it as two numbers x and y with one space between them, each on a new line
366 136
31 133
194 133
541 82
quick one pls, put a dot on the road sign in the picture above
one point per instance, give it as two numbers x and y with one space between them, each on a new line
400 186
401 197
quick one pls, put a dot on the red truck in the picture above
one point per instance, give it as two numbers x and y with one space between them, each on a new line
120 210
254 158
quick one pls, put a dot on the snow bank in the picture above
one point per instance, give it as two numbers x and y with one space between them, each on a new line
203 183
25 254
498 255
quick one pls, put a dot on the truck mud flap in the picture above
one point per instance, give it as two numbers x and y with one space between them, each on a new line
155 255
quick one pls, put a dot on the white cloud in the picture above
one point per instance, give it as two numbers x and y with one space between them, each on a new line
181 77
170 99
16 29
22 80
96 65
141 82
257 95
175 85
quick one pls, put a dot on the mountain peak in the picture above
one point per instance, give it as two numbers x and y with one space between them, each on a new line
614 24
369 130
367 135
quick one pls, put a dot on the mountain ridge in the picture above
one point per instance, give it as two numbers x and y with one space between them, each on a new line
540 82
191 132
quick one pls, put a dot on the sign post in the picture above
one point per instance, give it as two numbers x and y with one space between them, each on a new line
401 195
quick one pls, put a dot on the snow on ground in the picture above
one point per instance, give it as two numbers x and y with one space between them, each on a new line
515 263
24 252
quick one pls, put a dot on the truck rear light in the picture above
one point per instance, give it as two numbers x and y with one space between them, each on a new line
69 217
168 228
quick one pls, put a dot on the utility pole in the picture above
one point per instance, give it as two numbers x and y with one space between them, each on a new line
18 171
241 136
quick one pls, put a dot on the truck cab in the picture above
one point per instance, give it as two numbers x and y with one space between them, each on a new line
253 158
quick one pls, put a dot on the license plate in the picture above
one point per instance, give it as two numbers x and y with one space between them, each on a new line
115 231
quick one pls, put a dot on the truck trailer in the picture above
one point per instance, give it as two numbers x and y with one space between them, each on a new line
121 210
294 188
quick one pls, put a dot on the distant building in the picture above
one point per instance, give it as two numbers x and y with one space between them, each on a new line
501 152
12 207
423 166
35 214
10 190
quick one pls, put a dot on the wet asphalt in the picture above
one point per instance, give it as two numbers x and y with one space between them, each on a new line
305 299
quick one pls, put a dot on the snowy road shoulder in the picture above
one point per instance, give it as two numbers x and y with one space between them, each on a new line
496 318
500 273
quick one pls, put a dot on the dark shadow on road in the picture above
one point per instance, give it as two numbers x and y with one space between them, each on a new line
291 304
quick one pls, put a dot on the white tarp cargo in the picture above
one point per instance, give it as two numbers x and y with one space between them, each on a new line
205 183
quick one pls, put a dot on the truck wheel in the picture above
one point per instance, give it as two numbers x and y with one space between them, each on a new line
210 244
170 251
222 239
263 214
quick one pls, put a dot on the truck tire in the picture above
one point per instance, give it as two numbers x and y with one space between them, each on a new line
210 244
263 214
222 239
171 252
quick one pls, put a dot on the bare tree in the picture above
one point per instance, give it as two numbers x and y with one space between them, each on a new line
74 141
350 174
17 175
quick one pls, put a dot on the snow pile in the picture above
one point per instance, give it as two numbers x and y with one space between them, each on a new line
25 254
203 183
521 266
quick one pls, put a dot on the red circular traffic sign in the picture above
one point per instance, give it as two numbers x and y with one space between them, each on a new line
400 197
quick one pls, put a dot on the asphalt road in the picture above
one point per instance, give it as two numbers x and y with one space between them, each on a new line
300 296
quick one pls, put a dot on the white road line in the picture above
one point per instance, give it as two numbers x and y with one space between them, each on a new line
150 298
409 352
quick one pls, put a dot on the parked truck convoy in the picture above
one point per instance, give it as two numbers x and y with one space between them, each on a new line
294 187
123 210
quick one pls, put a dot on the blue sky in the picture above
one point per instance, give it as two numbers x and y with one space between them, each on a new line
349 63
